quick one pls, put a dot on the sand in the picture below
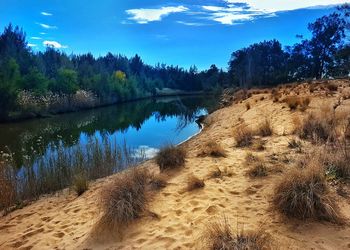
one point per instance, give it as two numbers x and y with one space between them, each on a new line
64 221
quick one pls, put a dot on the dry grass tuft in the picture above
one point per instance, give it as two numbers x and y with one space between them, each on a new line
265 128
316 128
213 149
80 183
257 170
250 158
7 186
158 182
216 173
292 102
193 183
303 193
332 87
295 144
247 105
170 157
243 136
125 199
258 145
219 235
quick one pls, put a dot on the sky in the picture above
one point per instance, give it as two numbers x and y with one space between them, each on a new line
178 32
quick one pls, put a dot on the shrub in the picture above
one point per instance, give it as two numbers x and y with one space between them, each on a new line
170 157
303 193
213 149
243 136
294 144
158 182
265 129
7 186
316 128
250 158
292 102
247 105
80 183
258 145
337 162
124 199
257 170
216 173
304 103
219 235
194 182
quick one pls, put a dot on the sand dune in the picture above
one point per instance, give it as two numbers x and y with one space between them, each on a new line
64 221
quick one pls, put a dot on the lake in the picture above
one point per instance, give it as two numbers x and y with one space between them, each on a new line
142 125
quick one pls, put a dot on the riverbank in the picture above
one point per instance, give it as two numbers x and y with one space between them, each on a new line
65 221
31 106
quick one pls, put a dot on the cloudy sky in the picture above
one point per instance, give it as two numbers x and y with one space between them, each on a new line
183 32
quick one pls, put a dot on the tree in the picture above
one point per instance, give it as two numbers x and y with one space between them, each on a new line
327 34
9 81
35 81
66 82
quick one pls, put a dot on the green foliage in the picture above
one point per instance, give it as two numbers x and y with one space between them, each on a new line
66 82
9 81
35 81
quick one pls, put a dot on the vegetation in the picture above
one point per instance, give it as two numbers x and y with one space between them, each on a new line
257 170
125 199
303 193
53 76
243 136
170 157
193 183
221 236
213 149
325 54
265 128
80 183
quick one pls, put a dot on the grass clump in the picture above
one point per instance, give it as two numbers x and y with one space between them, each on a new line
8 187
295 144
265 129
258 170
303 193
170 157
219 235
158 182
80 183
193 183
243 136
125 199
213 149
247 105
292 102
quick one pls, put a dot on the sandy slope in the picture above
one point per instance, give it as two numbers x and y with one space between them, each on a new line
63 221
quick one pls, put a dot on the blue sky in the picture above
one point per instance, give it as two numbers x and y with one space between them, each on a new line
180 32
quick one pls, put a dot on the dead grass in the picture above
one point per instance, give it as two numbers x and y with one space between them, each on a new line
295 144
170 157
303 193
258 145
247 105
158 182
213 149
7 186
80 183
124 200
316 128
250 158
243 136
219 235
193 183
257 170
265 128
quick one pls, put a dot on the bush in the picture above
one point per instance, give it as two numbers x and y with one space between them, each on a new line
170 157
213 149
265 129
219 235
257 170
316 128
125 199
247 105
80 183
292 102
194 182
243 136
158 182
303 193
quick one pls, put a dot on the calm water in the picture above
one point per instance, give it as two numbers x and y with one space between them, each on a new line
146 125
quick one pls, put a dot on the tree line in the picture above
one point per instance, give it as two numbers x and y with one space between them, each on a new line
325 55
109 77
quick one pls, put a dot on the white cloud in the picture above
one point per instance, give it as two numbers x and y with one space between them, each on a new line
237 11
42 33
191 23
45 13
54 44
273 6
46 26
32 45
144 16
35 38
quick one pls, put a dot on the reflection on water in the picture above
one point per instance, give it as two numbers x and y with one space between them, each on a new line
145 125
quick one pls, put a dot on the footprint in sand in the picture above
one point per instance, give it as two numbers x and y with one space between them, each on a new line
59 235
212 210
